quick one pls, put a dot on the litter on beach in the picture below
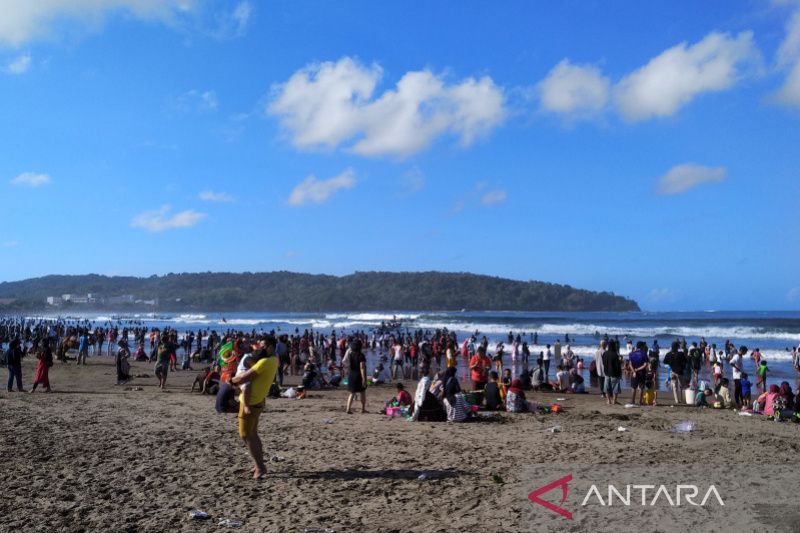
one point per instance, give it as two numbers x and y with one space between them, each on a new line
230 522
684 427
621 429
199 515
630 405
554 429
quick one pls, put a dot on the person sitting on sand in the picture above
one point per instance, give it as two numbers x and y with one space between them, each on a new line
335 377
402 396
723 395
310 380
437 385
576 382
506 379
379 375
427 408
765 403
491 393
704 398
561 384
140 354
515 399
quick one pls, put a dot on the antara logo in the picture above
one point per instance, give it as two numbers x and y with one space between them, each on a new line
644 495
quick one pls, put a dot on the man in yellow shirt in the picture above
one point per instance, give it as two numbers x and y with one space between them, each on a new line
260 377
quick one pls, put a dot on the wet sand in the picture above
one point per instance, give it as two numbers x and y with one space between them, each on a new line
93 456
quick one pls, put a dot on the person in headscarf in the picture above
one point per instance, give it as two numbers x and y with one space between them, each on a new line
451 385
766 401
45 357
515 398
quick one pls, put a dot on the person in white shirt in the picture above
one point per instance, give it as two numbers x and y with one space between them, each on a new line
737 362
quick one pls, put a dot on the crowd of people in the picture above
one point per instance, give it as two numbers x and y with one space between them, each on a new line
240 369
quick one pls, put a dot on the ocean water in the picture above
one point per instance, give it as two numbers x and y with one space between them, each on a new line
773 332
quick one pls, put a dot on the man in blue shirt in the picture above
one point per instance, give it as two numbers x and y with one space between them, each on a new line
638 364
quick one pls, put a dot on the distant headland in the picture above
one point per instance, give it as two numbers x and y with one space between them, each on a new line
297 292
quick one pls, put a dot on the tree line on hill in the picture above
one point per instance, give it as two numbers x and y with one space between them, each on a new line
289 291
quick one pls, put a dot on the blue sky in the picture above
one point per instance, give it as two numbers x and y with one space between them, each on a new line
647 148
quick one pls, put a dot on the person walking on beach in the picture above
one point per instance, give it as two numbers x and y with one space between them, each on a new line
14 365
598 366
163 354
45 357
676 361
355 364
260 376
612 367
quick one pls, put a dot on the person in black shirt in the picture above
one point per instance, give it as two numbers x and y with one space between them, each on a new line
14 365
612 369
491 393
676 360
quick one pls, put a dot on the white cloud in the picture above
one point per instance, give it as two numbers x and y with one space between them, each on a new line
681 178
195 100
9 244
678 75
211 196
26 20
314 191
330 104
574 90
414 180
31 179
233 24
493 197
19 65
662 295
789 61
160 219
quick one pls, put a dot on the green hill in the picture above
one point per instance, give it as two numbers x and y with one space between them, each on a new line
289 291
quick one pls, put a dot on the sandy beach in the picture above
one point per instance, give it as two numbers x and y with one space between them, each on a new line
92 456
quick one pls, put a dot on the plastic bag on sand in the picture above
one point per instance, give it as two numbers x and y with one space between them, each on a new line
745 413
291 392
230 522
684 427
630 405
621 429
199 515
554 429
